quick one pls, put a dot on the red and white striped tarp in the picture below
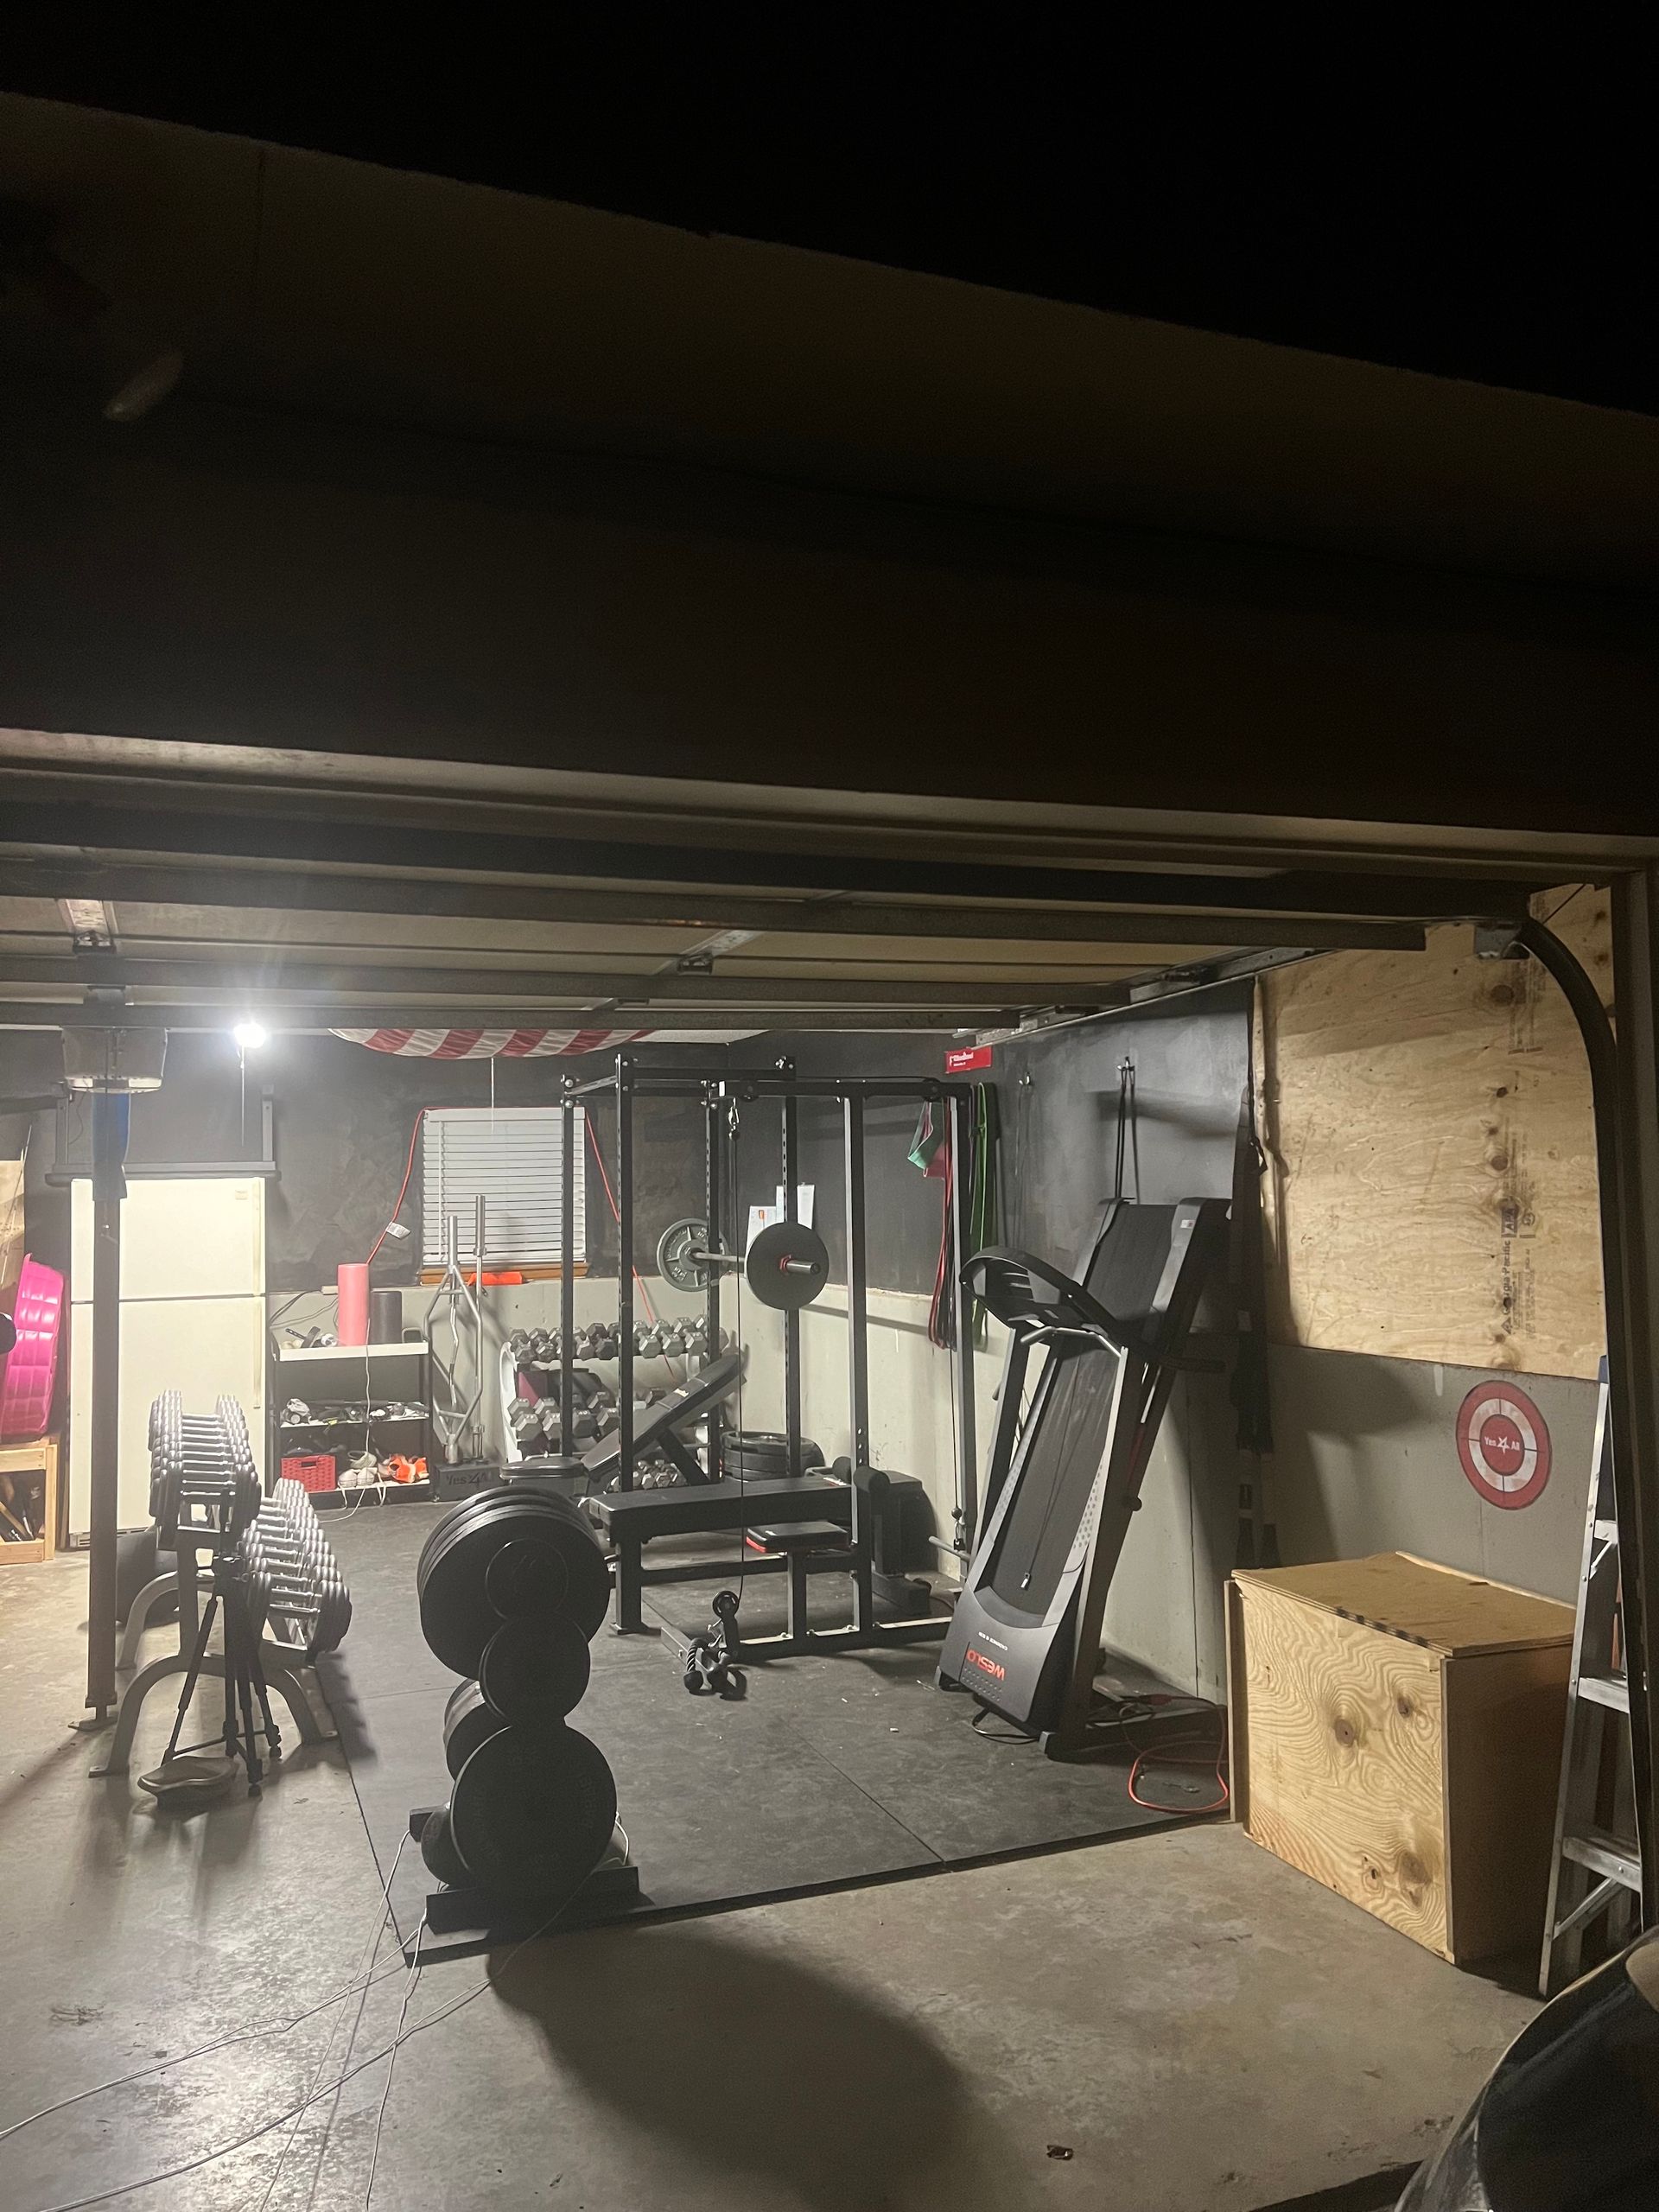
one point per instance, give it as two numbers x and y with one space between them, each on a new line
488 1044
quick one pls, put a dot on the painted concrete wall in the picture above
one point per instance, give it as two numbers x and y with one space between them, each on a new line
1367 1461
1165 1606
508 1306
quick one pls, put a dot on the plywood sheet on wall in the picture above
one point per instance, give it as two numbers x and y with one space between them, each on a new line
1431 1191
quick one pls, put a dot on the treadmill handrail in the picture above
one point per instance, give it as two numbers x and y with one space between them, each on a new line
1070 1310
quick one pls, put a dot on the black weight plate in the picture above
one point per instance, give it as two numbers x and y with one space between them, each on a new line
532 1812
761 1441
535 1669
456 1616
770 1460
787 1266
525 1577
443 1862
467 1722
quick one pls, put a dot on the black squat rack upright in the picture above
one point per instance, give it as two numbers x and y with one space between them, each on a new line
723 1094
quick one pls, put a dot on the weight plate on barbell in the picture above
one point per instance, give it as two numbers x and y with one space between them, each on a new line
535 1670
787 1266
674 1249
532 1811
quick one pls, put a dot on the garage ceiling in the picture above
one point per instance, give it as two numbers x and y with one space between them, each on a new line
320 890
303 282
188 906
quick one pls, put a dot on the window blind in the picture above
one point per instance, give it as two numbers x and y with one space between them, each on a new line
514 1156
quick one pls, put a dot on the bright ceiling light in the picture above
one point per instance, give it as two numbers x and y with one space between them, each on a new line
250 1036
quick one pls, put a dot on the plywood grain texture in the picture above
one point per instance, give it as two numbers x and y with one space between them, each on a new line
1504 1725
1431 1185
1417 1783
1344 1738
1448 1612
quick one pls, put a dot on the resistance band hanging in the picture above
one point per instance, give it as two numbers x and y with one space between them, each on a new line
931 1151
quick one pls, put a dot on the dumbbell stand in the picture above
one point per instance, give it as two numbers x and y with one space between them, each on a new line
137 1620
279 1661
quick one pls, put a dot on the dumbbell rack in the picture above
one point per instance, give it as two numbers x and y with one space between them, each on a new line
205 1495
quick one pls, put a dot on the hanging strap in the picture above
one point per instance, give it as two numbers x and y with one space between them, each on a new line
1128 1133
1248 1276
1258 1539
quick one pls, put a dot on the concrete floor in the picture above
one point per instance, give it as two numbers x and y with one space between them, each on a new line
1202 2029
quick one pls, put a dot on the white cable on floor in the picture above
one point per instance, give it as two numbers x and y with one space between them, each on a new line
397 2036
365 1971
219 2043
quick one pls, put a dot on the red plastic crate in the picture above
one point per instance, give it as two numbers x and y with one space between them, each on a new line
315 1471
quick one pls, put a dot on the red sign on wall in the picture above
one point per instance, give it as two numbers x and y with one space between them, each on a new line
963 1057
1504 1445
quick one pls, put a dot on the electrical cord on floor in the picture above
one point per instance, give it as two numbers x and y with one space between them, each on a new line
1132 1712
1013 1734
253 2135
367 1971
1156 1706
397 2036
220 2042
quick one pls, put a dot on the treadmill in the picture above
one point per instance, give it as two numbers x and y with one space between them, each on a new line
1063 1482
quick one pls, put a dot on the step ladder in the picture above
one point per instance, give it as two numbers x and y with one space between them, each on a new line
1594 1871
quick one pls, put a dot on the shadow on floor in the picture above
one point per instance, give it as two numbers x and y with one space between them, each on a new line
748 2060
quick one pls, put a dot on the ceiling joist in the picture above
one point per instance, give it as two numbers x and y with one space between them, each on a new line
481 898
73 827
310 1019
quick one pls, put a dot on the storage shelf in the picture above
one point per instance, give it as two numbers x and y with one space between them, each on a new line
416 1350
360 1421
372 1493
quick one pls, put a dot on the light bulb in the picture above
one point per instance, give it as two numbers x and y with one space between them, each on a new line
250 1036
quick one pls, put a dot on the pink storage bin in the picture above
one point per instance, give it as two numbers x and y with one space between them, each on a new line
27 1376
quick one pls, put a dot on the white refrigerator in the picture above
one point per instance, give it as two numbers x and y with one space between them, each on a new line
192 1318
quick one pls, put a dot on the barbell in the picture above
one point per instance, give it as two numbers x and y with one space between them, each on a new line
786 1266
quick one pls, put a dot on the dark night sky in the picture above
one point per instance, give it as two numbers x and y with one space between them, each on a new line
1377 205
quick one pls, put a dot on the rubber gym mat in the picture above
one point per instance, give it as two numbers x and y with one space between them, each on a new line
832 1772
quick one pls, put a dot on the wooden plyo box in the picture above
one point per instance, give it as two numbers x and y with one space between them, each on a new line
1397 1733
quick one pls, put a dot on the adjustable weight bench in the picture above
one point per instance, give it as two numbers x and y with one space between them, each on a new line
1063 1482
629 1520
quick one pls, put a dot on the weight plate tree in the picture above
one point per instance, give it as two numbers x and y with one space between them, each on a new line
548 1557
532 1811
512 1587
